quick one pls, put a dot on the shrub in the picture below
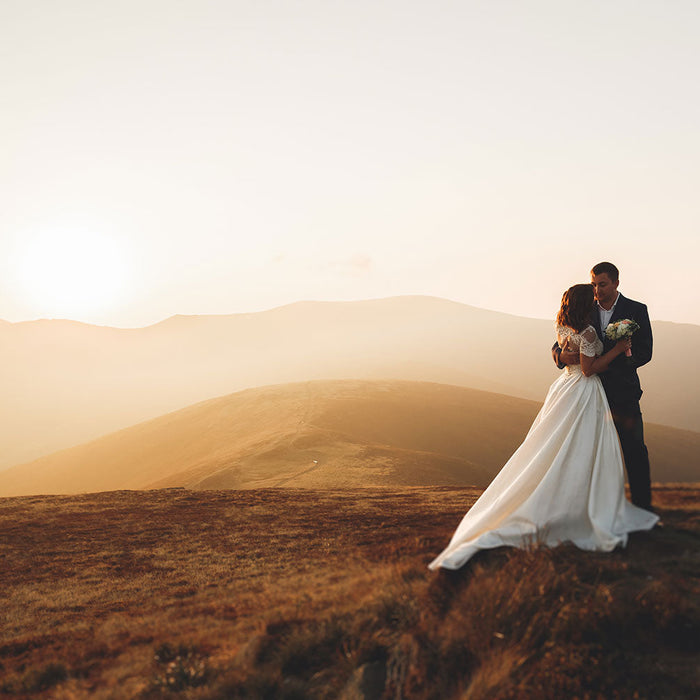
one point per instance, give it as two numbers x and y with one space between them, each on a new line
181 667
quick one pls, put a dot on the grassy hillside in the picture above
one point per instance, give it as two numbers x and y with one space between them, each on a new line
288 594
65 383
325 434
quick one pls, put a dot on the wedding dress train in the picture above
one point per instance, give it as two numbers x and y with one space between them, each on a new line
565 483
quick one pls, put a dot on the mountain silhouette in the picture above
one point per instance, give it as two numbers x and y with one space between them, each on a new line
66 382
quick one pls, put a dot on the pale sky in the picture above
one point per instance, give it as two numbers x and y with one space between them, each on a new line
221 156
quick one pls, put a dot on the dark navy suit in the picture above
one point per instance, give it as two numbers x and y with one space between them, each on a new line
622 387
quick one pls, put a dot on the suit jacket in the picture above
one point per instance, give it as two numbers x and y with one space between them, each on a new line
620 380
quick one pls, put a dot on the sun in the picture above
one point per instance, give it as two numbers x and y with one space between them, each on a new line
71 274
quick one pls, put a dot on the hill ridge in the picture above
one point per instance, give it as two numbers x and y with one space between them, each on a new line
105 379
358 432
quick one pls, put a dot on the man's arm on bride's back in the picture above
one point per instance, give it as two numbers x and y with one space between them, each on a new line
556 354
563 356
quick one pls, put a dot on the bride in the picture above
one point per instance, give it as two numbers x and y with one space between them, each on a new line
565 482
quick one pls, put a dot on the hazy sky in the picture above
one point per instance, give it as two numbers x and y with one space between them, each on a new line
221 156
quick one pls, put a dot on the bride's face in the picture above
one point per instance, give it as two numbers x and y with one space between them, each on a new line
605 289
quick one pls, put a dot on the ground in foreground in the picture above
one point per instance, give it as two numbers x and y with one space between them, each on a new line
284 593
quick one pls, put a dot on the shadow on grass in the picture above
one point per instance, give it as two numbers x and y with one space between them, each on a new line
513 624
294 594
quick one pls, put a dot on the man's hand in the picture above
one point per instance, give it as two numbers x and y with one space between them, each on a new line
569 356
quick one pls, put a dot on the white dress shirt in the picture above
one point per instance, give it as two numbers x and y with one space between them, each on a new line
605 315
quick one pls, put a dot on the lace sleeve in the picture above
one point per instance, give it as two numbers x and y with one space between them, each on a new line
589 342
562 334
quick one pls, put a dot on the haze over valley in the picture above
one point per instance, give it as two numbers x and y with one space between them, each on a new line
65 382
320 435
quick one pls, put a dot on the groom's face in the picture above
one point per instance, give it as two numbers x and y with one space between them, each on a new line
605 288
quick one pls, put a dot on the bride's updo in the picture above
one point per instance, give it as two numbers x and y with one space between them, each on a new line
576 306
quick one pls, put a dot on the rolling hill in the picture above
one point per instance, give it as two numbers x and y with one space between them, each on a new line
64 382
320 434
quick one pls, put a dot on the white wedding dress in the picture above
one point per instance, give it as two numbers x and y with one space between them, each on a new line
565 482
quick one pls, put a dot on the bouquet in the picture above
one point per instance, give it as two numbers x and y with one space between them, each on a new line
622 329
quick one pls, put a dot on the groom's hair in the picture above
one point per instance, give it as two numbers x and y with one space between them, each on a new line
606 268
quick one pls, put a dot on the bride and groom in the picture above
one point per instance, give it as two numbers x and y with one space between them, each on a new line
565 483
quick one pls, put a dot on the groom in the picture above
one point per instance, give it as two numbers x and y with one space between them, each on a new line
620 380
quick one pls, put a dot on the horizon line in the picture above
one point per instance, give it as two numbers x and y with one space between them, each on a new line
287 305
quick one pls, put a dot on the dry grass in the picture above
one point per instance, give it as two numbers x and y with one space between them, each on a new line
319 435
284 593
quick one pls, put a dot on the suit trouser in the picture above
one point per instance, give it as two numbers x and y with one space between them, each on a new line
630 429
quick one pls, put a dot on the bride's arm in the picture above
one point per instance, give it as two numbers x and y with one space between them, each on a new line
596 365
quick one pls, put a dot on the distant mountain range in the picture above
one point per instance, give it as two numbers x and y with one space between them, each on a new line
64 382
320 434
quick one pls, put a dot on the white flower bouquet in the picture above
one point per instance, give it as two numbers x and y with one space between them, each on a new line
622 329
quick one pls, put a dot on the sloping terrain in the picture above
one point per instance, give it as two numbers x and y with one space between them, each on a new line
64 383
322 434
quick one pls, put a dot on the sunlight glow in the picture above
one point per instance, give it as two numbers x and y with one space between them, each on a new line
69 273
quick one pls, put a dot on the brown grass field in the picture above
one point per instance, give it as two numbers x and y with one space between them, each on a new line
288 593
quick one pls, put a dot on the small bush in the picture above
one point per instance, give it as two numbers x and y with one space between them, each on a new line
181 667
39 680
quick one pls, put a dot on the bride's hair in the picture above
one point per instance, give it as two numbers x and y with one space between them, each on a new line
576 306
